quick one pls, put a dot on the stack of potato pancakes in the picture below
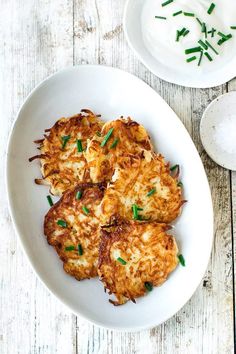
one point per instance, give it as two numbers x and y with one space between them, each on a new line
117 199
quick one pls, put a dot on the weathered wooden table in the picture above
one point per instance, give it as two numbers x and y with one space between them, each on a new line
38 38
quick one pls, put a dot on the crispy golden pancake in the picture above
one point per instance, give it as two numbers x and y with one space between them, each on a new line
72 228
146 185
63 164
126 136
135 256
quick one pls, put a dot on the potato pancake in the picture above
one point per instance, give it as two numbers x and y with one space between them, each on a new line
117 137
142 189
63 164
72 228
135 256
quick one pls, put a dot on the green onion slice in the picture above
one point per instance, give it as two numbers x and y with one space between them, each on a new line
166 3
211 8
79 146
121 260
62 223
78 195
49 198
151 192
65 140
181 260
115 142
80 250
85 209
107 137
148 285
233 27
69 248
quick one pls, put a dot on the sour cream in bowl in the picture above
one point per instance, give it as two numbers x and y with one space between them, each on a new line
191 43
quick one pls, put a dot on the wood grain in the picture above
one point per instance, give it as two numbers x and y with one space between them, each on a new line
37 38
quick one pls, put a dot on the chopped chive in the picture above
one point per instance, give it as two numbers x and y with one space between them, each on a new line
62 223
135 211
166 3
208 56
98 133
65 140
174 167
204 29
107 137
185 33
115 142
180 33
233 27
212 32
181 260
180 184
148 286
80 250
200 59
78 195
178 13
142 218
225 36
204 45
121 260
190 14
200 22
161 17
211 8
69 248
212 48
224 39
138 208
193 50
189 60
50 202
79 146
85 209
151 192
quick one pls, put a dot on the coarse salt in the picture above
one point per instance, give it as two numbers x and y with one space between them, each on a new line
225 134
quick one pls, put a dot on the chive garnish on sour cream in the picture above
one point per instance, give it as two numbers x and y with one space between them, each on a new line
161 17
211 8
107 137
189 60
178 13
190 14
166 3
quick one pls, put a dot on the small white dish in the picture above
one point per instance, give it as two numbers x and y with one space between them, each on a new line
216 130
112 93
208 77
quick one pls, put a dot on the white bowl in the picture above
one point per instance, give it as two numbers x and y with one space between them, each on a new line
112 93
133 33
215 117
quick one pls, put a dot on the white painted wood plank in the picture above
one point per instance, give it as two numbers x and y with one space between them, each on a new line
205 324
36 40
